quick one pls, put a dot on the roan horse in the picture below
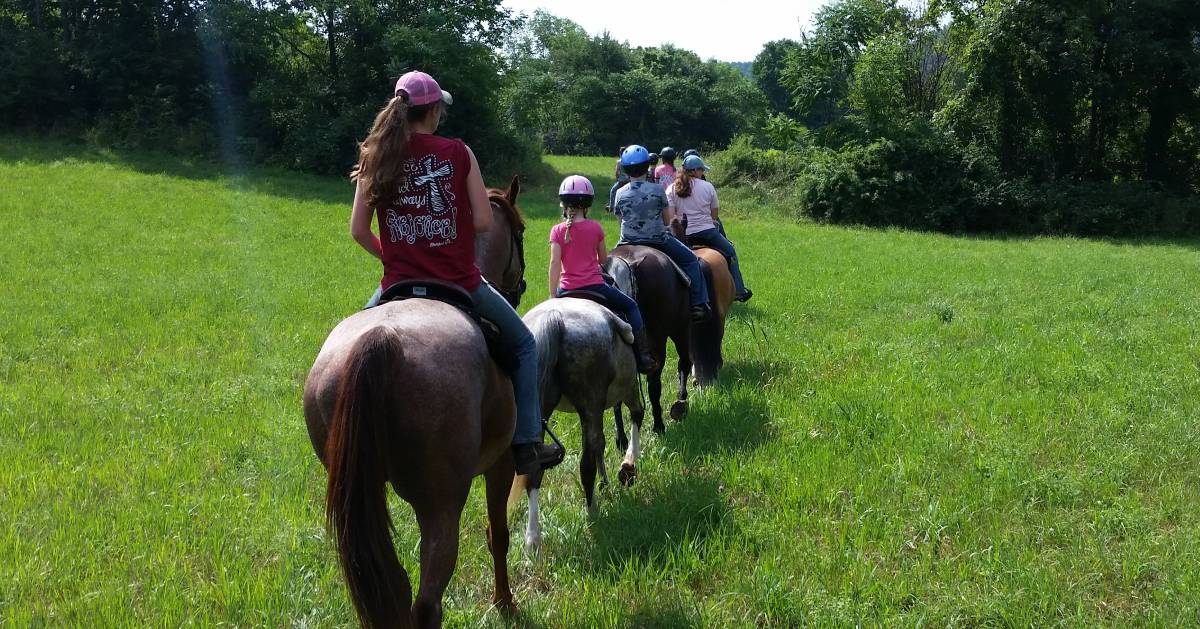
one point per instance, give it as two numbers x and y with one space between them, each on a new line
649 276
585 365
406 393
707 335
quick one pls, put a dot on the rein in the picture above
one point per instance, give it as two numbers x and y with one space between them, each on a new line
516 259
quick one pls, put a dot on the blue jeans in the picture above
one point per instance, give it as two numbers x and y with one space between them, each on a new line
618 301
715 239
681 255
519 341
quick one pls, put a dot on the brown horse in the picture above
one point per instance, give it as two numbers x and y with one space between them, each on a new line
406 393
707 335
650 277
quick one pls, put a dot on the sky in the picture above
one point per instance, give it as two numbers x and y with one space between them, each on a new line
709 28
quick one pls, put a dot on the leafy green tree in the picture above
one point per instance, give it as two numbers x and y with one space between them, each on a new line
767 70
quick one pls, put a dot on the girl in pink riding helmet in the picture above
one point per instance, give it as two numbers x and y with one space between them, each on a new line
577 251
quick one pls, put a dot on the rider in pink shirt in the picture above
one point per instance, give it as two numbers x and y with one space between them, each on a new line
665 174
577 250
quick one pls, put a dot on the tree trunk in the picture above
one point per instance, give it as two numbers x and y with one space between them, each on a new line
1162 114
332 44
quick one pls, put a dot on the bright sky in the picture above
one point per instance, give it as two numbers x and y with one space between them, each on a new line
728 30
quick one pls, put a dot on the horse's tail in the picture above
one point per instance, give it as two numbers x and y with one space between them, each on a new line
619 327
548 330
360 435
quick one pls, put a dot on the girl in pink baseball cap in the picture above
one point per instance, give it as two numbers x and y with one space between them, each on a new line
430 200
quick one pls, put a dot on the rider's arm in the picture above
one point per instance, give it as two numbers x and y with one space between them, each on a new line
555 267
716 205
601 250
360 222
667 215
481 207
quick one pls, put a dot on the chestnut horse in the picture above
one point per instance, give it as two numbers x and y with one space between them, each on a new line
406 393
708 335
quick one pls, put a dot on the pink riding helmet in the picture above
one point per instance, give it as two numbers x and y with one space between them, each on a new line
576 191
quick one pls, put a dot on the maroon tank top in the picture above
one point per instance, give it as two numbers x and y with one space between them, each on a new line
428 230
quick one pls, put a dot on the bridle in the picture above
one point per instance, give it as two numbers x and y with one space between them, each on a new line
516 259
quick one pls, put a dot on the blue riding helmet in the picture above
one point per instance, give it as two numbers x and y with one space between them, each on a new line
693 162
635 154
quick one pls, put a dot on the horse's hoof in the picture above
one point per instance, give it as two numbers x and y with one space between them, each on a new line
679 410
533 547
627 475
506 606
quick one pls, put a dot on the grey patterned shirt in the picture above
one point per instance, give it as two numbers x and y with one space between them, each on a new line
640 206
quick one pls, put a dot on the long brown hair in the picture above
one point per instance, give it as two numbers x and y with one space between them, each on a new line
381 155
683 184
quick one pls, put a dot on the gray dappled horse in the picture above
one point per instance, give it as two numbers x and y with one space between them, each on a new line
405 393
585 365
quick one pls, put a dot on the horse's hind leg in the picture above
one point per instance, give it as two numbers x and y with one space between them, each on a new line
637 413
622 440
654 390
439 520
533 530
679 408
592 427
499 480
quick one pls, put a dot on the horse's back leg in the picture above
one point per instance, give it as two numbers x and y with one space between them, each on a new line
533 530
499 481
654 390
679 408
591 423
439 516
637 413
621 440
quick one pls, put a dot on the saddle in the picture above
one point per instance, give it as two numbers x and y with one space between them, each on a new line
683 277
458 297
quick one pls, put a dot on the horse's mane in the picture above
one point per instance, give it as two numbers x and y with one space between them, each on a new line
500 198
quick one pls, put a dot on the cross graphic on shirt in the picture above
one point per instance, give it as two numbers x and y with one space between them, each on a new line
431 178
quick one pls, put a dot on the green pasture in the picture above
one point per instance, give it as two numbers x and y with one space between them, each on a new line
911 429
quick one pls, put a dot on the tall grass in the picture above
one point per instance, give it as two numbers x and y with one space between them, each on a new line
910 429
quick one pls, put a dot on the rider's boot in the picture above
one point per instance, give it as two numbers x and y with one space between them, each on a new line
534 457
641 352
701 312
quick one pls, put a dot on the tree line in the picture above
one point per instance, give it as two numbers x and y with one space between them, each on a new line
297 82
1018 115
1022 115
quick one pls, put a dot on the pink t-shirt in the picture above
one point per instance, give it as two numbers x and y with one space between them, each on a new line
697 207
579 265
664 175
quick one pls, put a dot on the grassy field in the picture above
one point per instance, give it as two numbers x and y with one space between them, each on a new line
911 429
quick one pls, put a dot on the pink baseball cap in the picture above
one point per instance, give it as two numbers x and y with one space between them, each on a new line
422 89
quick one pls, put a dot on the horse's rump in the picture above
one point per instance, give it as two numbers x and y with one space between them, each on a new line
445 371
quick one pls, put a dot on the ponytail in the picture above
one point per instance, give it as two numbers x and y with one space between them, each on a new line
381 155
683 184
569 213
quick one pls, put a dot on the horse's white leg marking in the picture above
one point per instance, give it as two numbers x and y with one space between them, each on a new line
635 448
533 532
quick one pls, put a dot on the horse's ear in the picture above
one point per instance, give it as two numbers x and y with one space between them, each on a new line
514 189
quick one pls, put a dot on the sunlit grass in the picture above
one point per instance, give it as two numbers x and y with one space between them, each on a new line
911 428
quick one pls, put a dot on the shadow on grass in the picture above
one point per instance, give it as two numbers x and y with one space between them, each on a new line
723 419
650 522
261 179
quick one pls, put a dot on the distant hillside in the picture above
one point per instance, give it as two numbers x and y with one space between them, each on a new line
743 67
